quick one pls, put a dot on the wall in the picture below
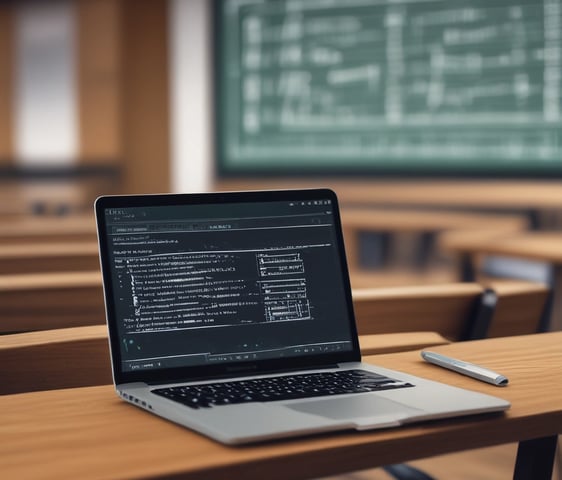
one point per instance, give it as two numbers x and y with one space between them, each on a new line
191 95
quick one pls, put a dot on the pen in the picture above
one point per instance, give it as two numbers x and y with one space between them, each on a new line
466 368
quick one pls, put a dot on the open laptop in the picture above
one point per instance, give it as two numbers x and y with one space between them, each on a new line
231 314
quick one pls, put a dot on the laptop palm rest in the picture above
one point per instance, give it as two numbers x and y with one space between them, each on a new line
362 409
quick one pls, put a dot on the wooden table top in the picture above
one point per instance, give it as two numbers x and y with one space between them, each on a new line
425 220
535 245
49 250
90 433
50 281
41 229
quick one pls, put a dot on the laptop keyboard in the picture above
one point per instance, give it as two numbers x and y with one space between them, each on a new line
280 388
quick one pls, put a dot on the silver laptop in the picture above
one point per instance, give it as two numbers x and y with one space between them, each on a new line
231 314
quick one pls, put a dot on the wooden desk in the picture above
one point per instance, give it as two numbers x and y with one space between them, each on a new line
51 196
55 359
41 229
49 257
425 223
39 301
90 433
540 246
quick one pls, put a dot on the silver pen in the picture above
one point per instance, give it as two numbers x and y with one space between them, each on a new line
466 368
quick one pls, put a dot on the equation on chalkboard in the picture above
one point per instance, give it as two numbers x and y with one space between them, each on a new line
389 86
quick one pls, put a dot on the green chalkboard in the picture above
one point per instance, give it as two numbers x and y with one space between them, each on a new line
437 87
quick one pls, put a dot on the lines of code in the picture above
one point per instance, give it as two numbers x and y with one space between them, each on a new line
188 290
199 284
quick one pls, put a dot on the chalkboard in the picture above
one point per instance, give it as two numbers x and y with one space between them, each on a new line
437 87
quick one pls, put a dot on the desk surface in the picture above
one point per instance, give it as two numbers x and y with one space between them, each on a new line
544 246
400 220
90 433
49 257
43 229
48 250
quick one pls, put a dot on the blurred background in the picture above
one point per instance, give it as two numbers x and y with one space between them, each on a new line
424 116
437 122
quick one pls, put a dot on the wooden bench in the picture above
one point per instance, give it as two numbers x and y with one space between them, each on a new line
79 356
425 223
49 257
19 198
531 255
47 229
51 359
446 309
42 301
67 299
388 320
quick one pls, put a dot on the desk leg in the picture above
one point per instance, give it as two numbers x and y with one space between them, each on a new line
424 249
467 271
535 459
556 313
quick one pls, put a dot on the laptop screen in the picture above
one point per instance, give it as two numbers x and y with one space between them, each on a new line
225 282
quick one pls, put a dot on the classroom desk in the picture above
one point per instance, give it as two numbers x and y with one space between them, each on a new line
425 223
49 257
539 246
39 301
49 197
44 229
533 197
90 433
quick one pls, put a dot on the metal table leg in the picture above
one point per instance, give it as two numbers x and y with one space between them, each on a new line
535 459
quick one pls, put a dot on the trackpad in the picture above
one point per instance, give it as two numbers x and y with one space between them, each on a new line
357 406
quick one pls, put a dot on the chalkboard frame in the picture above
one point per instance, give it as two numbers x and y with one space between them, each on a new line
224 170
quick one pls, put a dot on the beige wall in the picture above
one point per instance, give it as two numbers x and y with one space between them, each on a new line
99 76
122 89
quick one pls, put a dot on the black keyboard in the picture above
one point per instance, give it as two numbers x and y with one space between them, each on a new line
280 388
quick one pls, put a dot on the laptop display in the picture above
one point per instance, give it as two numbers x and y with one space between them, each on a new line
214 284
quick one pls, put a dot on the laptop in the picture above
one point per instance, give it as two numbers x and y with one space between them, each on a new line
231 314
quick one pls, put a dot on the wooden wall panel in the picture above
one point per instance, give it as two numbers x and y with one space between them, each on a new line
99 57
145 92
6 83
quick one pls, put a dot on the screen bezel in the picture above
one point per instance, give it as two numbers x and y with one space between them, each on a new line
169 375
